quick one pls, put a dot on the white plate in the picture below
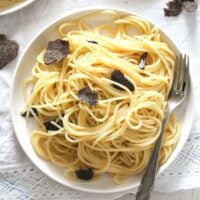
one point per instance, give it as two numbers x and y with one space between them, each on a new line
15 7
23 131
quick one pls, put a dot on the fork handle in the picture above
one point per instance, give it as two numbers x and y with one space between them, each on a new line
146 185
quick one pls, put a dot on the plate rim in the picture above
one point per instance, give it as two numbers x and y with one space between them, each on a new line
68 14
15 8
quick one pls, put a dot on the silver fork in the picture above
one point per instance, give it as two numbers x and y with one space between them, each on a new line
176 97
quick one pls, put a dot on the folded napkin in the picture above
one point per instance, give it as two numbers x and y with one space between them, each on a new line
19 178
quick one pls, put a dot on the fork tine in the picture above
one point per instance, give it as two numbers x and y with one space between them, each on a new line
176 73
186 76
183 71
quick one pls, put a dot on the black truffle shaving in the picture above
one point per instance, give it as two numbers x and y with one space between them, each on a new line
24 114
92 41
85 174
2 37
187 0
51 127
190 5
56 51
88 96
143 60
118 77
174 8
8 50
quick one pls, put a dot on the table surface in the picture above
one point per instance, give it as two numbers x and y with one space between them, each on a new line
180 195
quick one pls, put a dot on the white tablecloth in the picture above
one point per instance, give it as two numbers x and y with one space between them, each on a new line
18 177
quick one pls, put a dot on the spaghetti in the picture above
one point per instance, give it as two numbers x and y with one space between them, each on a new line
115 135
